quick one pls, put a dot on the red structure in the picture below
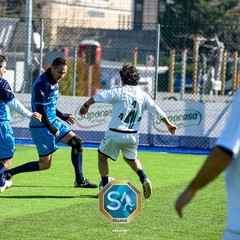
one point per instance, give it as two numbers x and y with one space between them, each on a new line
90 50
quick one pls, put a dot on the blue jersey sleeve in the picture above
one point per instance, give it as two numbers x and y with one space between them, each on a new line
5 91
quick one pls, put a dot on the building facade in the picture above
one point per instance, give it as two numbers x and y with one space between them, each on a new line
110 14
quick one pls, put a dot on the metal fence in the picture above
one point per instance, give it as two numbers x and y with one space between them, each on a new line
191 74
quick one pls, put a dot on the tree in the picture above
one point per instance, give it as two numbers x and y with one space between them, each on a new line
210 19
201 12
17 8
213 12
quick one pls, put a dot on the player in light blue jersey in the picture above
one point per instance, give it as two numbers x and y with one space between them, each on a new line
51 130
128 104
7 99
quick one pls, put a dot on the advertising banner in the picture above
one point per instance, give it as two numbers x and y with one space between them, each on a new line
199 119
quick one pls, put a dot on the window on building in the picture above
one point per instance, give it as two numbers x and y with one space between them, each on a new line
161 10
96 14
138 14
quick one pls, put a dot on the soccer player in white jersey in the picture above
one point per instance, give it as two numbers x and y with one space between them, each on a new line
128 103
224 156
7 99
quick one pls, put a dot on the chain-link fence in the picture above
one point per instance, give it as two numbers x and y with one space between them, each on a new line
190 74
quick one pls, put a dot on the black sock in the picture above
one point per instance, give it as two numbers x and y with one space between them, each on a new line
141 175
104 181
76 144
77 164
2 169
27 167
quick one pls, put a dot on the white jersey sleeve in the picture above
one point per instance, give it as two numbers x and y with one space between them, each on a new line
152 107
15 105
108 96
230 136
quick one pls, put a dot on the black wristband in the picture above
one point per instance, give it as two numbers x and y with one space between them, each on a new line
85 105
61 115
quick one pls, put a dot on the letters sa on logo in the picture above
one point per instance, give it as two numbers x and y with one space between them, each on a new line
120 201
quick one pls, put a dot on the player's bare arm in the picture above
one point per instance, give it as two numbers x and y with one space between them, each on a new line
70 118
171 127
215 163
67 117
36 117
84 109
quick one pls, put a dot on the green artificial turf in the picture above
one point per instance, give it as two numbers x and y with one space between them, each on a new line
44 205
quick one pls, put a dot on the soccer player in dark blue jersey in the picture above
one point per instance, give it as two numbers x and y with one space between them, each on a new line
51 130
7 99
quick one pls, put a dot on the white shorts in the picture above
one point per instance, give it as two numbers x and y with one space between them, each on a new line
113 142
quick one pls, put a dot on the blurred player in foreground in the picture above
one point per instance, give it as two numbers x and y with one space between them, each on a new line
224 156
128 104
46 134
7 99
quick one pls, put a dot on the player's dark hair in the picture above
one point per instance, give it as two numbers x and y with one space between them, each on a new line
2 60
129 75
58 62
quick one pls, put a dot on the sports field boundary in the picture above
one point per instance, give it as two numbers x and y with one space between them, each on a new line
142 148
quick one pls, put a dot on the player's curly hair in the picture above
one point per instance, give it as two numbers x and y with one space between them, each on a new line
2 60
129 75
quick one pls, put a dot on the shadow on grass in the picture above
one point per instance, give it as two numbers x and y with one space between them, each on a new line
41 196
45 186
